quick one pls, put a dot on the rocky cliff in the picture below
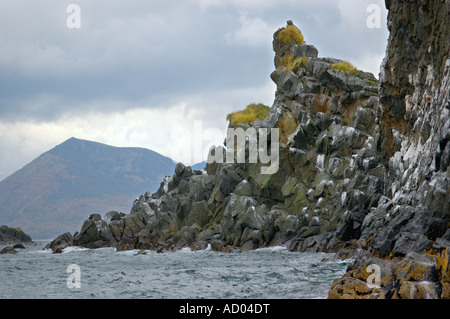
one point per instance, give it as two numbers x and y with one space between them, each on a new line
329 173
413 116
362 167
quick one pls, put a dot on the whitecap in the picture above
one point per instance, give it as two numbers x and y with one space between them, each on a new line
207 249
185 250
71 249
105 249
128 252
272 248
188 250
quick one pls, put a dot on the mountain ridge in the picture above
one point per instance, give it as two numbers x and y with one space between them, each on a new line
94 174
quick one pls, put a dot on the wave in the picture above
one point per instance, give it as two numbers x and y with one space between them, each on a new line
131 252
71 249
272 249
188 250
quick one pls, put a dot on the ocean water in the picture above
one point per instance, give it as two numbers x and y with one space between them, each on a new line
104 273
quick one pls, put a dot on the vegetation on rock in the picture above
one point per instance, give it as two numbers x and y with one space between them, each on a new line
250 114
291 35
293 64
345 66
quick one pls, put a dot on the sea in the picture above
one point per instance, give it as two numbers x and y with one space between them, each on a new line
104 273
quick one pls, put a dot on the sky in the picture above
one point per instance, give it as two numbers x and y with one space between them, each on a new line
161 75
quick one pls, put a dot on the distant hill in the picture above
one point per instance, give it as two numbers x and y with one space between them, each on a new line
56 191
199 166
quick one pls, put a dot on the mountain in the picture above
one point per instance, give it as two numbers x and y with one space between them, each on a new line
54 192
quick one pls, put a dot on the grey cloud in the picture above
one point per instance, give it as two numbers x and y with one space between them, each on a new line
212 55
153 50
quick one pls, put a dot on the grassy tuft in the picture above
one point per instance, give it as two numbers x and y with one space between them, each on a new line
294 64
345 66
371 83
251 113
291 34
291 64
286 60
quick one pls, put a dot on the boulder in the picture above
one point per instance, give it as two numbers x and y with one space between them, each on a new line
59 243
199 214
13 235
305 50
8 250
416 276
93 231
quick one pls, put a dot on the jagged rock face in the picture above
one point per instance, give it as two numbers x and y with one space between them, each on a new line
416 55
329 175
414 213
353 170
415 129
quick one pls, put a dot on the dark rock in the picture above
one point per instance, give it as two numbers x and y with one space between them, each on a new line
352 227
416 276
305 50
411 216
90 231
354 172
8 250
59 243
13 235
113 216
199 214
410 242
229 179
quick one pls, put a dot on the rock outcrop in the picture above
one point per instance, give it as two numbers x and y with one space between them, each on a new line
414 130
416 276
12 235
362 168
414 213
329 174
7 250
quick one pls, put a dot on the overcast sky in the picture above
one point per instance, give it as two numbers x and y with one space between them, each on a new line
155 74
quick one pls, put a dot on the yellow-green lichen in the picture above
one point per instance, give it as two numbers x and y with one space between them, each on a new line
345 66
251 113
291 34
291 64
